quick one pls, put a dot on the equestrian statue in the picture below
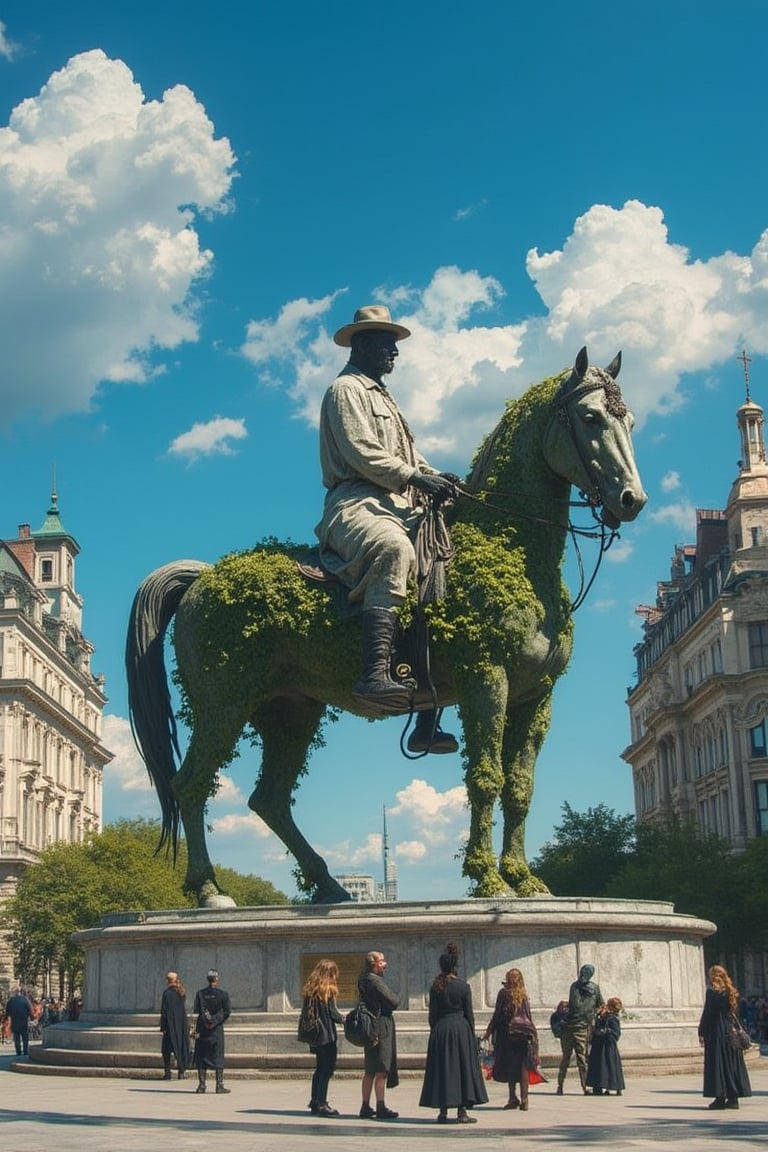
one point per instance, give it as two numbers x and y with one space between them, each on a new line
262 648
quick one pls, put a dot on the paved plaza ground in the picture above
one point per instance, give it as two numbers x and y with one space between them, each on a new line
84 1114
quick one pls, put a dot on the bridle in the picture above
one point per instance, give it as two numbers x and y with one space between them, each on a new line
591 499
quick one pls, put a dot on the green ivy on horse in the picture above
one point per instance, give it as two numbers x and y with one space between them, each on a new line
258 645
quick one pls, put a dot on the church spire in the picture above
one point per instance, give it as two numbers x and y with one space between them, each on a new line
750 421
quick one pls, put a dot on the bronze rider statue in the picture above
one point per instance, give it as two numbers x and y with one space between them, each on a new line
375 480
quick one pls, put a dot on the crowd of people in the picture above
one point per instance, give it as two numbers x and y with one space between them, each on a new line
587 1026
27 1015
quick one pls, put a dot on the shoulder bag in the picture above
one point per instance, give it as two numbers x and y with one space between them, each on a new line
361 1027
737 1036
310 1027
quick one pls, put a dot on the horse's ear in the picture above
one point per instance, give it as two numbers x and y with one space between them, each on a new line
582 363
614 367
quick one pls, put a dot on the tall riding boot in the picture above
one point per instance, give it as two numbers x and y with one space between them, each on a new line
376 685
201 1074
220 1081
428 736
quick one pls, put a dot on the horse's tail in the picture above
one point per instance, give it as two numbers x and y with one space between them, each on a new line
149 702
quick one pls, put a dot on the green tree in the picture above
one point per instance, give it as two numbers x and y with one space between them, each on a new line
697 872
70 888
73 885
248 891
588 849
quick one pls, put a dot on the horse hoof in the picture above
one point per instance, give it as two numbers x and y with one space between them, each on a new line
218 900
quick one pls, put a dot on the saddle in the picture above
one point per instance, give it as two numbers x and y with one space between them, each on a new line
311 568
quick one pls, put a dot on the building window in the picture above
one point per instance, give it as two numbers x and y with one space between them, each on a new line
46 571
761 806
717 657
757 742
758 645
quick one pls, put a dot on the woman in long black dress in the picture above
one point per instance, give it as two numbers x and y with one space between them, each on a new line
725 1073
515 1039
452 1077
174 1026
605 1073
320 992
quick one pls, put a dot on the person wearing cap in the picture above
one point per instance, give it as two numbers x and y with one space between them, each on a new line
584 1000
376 481
212 1008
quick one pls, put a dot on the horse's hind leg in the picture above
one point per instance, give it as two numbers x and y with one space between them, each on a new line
287 726
526 727
210 747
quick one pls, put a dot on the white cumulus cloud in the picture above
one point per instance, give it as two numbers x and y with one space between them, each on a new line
214 437
235 823
410 850
7 47
99 188
670 481
618 282
681 515
126 780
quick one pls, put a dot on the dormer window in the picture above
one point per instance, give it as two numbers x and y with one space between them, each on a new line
46 571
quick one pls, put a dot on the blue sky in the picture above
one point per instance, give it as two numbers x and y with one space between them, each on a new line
195 196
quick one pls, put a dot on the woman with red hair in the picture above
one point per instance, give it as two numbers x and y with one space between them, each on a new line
725 1073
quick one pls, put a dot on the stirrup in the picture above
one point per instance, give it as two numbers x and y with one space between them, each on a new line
438 742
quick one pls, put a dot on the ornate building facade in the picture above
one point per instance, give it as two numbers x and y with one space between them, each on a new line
699 710
51 704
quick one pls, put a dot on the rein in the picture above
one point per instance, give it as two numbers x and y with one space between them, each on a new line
602 532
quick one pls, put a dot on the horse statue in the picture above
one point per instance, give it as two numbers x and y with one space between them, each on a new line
258 645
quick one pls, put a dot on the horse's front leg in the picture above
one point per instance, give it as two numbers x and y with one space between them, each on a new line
482 705
287 727
527 725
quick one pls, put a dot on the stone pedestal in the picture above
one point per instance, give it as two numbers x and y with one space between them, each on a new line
642 951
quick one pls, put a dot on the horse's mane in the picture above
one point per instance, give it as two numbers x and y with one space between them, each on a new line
500 457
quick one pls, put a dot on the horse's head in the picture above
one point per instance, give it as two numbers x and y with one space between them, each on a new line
589 441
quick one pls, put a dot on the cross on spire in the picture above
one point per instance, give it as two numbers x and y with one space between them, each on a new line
746 361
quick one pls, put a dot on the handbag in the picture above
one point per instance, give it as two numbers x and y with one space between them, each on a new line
361 1026
310 1028
737 1036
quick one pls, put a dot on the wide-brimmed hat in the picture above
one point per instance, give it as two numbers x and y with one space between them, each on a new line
373 317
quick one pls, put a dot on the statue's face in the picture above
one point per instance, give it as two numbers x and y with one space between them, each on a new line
375 353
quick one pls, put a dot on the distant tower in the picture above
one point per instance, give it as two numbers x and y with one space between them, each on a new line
390 868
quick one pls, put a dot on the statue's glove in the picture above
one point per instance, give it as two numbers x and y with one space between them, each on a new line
439 487
451 477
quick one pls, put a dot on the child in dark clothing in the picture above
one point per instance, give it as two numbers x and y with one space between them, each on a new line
604 1070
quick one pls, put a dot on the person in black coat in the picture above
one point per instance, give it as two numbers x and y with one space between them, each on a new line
605 1073
174 1027
320 992
19 1011
452 1076
381 1057
515 1038
213 1008
725 1073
